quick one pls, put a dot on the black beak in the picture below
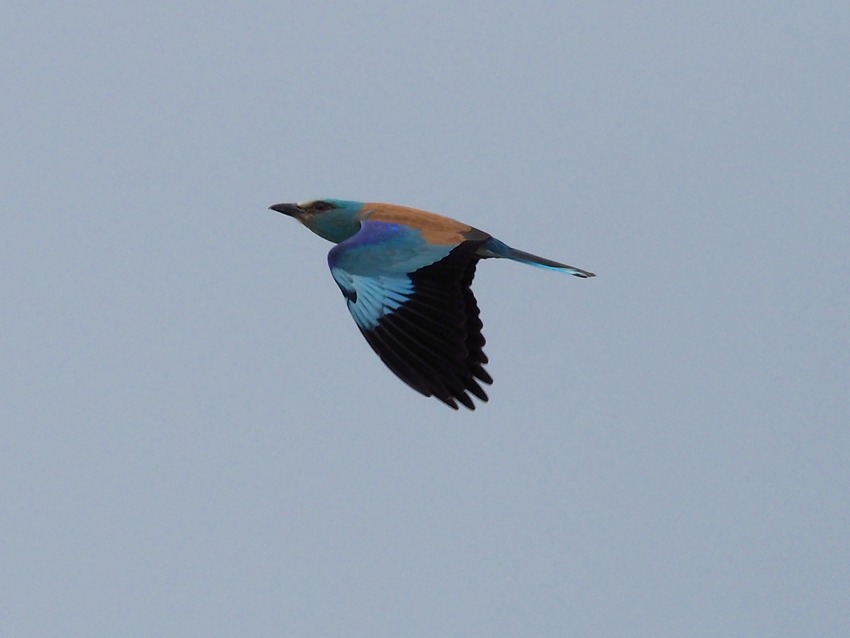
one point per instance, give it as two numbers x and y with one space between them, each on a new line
287 209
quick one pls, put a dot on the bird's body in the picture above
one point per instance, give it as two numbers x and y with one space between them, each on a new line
406 276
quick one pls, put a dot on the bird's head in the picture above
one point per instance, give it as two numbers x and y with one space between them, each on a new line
333 219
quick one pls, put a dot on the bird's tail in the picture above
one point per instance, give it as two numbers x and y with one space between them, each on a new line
495 248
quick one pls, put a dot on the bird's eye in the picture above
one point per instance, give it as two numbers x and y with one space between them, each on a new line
321 206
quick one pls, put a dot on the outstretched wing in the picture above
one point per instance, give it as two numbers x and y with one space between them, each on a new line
412 301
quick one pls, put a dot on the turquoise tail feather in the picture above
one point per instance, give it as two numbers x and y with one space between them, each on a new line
495 248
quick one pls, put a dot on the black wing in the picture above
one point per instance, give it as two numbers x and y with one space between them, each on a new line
433 340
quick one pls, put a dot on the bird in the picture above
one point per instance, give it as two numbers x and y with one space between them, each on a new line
406 276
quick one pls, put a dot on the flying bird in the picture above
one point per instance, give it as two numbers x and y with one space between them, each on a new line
406 276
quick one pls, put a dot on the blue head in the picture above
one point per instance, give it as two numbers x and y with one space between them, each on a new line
333 219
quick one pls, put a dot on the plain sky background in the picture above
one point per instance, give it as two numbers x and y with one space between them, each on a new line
197 442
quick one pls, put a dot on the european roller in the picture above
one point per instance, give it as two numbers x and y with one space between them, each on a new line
406 276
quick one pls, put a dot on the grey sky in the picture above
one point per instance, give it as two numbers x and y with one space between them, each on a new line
196 441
